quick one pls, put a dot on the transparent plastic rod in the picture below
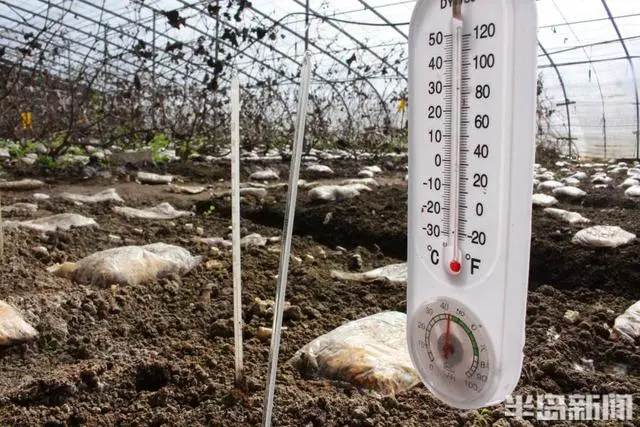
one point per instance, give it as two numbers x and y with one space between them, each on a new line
235 229
285 252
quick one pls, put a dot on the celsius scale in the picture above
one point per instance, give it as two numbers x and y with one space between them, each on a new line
472 105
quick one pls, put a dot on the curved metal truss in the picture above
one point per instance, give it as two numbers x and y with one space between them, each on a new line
358 46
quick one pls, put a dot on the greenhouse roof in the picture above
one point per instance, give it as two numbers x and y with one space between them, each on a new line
589 51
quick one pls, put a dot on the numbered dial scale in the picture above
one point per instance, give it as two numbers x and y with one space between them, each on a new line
453 344
472 89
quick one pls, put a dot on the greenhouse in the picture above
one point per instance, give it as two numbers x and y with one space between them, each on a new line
228 212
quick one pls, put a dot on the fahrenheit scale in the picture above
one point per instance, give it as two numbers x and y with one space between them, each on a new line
472 90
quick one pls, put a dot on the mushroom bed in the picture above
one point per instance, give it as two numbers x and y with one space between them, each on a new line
160 352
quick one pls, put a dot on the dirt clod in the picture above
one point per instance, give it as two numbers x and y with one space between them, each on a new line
46 392
222 328
152 377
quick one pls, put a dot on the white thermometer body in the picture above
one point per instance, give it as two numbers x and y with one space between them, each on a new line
472 97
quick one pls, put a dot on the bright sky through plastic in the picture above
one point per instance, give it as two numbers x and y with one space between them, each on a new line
603 89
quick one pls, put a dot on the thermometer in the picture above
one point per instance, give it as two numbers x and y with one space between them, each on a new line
472 94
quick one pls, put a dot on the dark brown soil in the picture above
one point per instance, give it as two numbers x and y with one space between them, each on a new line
377 220
162 354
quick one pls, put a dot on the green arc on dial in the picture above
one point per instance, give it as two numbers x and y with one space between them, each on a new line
469 333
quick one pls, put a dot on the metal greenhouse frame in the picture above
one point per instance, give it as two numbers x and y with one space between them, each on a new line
169 62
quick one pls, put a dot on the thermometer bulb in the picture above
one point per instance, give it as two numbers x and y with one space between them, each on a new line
455 266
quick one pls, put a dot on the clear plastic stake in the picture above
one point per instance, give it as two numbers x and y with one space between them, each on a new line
235 228
285 252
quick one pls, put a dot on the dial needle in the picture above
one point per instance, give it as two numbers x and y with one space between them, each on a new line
447 344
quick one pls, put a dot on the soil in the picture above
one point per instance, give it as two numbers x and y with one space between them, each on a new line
162 354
